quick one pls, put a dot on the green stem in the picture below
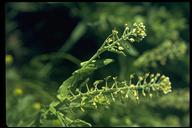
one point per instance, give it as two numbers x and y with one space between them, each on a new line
102 49
106 92
99 51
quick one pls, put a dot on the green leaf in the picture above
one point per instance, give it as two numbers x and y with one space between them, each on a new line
80 123
98 63
64 88
129 49
80 74
77 33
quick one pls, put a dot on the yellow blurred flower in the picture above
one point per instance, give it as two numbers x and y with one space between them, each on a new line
18 91
9 59
37 105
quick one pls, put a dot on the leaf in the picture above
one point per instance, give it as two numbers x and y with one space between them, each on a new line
36 122
77 33
72 81
107 61
63 89
129 49
84 71
80 123
80 74
61 119
98 63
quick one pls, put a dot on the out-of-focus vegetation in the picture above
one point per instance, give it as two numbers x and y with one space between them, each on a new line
45 43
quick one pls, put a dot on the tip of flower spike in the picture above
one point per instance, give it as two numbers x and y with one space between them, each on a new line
137 33
114 31
109 40
135 24
165 84
126 26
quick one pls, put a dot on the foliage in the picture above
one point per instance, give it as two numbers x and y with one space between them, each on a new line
160 54
122 84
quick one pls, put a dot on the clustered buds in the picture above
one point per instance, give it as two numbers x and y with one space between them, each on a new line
116 44
137 33
165 84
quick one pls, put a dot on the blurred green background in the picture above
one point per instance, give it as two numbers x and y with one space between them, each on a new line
46 41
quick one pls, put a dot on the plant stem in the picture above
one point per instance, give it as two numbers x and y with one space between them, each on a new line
99 51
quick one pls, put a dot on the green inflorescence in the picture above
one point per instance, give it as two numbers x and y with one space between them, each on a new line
167 50
102 93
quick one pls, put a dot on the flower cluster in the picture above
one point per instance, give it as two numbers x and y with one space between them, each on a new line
137 33
119 90
103 92
117 44
103 97
165 84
